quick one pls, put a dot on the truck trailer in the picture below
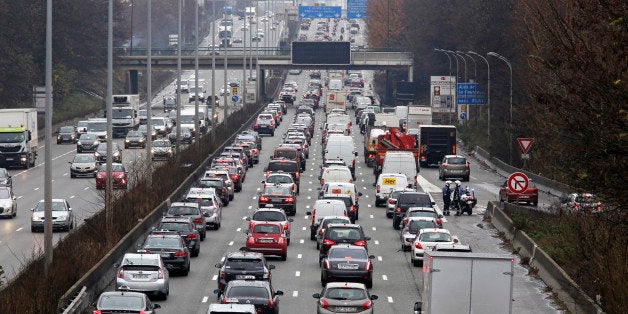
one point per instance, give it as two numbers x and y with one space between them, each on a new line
466 283
124 114
436 141
18 137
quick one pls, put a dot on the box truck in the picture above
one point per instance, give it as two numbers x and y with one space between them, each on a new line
456 282
124 114
18 137
436 141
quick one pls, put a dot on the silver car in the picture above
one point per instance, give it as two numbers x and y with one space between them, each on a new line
162 149
143 273
210 203
83 165
8 202
62 215
118 302
345 297
454 166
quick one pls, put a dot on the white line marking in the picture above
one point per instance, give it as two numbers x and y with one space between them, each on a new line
376 242
309 197
239 229
205 298
250 206
214 277
308 207
243 218
374 229
86 188
297 274
20 197
222 259
384 277
71 197
19 229
371 216
299 256
301 241
295 293
231 243
304 228
390 300
36 189
379 258
65 174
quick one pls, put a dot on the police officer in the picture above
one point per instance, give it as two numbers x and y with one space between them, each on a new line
446 197
457 193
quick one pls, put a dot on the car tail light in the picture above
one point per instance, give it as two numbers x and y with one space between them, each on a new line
369 265
391 201
378 189
235 177
192 236
179 254
327 266
263 199
224 300
398 210
198 220
289 199
121 273
353 163
367 305
350 180
297 175
321 231
351 209
222 275
270 303
291 187
439 222
405 221
97 312
286 226
323 304
328 242
266 274
160 274
100 175
255 125
445 165
415 182
418 245
467 165
224 191
360 243
322 182
453 149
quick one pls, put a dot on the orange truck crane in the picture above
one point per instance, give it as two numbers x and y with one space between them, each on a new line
393 140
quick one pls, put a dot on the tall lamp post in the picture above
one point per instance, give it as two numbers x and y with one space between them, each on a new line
149 95
500 57
213 27
177 144
197 125
475 65
488 95
48 248
448 58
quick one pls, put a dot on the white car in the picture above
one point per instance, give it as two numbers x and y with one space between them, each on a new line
8 202
283 179
426 240
145 273
62 215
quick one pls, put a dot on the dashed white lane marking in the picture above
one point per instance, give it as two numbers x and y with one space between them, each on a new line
369 206
371 216
299 255
362 180
310 182
231 243
364 187
36 189
384 277
295 293
205 298
301 241
390 300
20 197
19 229
86 188
306 217
214 277
309 197
297 274
311 175
65 174
222 259
250 206
376 242
71 197
308 207
374 229
244 218
310 189
379 258
239 229
304 228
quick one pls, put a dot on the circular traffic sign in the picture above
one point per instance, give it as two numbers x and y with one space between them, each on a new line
518 182
235 98
463 116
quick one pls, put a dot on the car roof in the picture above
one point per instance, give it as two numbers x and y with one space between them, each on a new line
434 230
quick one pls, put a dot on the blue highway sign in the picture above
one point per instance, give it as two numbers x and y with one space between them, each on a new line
235 98
356 9
320 12
470 94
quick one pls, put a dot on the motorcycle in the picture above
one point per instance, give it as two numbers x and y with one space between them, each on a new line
467 202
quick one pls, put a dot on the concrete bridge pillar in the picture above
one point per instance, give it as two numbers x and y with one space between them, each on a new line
132 82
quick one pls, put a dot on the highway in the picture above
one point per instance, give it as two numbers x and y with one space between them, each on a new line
17 244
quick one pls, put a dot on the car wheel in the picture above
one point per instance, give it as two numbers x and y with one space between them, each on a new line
72 175
284 256
369 284
33 229
441 177
388 215
323 280
14 213
195 254
318 245
288 241
231 197
312 235
417 263
465 178
396 224
535 203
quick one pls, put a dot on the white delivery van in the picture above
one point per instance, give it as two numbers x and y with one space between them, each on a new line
401 162
341 147
322 208
386 183
336 174
335 84
336 188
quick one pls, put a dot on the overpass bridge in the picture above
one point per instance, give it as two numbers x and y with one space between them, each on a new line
266 59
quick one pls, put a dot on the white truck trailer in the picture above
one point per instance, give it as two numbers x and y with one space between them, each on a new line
456 282
124 114
18 137
418 116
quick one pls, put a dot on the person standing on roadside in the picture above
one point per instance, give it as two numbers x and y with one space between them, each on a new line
446 197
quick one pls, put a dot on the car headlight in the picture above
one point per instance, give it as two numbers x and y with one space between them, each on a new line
96 143
116 154
58 137
141 140
169 150
126 141
78 143
97 154
73 136
152 151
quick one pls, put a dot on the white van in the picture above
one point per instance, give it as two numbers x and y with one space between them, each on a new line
341 147
386 183
324 208
336 174
402 162
335 188
335 84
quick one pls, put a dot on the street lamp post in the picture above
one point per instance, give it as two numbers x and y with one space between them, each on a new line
456 82
149 95
475 65
177 144
213 27
48 248
488 95
496 55
450 93
465 64
197 125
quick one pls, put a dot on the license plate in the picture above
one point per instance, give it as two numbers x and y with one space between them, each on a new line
347 266
266 240
9 159
140 276
166 255
277 200
345 309
244 277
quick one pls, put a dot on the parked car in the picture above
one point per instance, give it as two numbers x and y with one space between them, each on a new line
145 273
62 215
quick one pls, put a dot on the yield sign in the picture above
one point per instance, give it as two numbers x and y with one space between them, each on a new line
518 182
525 143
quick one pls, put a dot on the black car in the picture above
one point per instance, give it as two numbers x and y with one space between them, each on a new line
172 249
189 210
287 166
346 262
135 139
101 153
243 265
259 293
88 142
342 233
219 185
406 200
186 228
278 196
236 175
67 134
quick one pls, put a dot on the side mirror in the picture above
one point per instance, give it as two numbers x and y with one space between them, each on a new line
263 182
374 297
70 162
360 194
271 266
456 240
307 213
374 184
355 153
433 203
278 292
248 219
246 232
367 238
371 256
290 220
316 295
217 291
156 306
219 265
14 198
440 216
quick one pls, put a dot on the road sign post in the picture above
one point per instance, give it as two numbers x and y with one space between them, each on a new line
518 183
525 143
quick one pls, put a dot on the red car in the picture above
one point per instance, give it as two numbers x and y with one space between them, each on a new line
119 176
529 196
267 238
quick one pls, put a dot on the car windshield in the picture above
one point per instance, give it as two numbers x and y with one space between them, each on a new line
456 160
183 210
134 134
121 302
277 190
56 207
351 234
286 153
333 221
161 144
163 242
114 168
347 253
345 293
174 226
66 129
416 225
422 213
266 229
210 183
268 216
4 194
12 137
248 292
283 166
87 137
83 158
435 237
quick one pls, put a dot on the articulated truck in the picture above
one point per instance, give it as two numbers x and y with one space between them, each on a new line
18 137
